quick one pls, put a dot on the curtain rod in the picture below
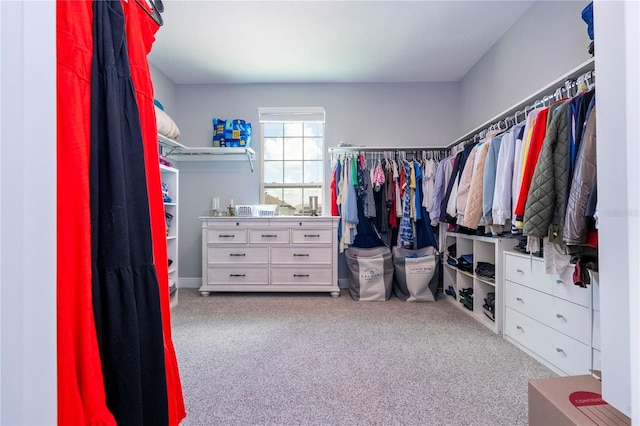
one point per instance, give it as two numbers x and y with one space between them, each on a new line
546 91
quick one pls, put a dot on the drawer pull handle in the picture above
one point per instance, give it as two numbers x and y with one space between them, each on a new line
237 275
520 328
520 271
226 236
560 350
312 235
269 236
519 299
300 275
237 254
560 316
304 255
559 282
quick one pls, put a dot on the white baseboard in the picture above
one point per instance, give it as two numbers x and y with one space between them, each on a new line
189 282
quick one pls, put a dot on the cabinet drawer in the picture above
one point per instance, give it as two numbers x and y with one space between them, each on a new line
270 236
237 275
565 317
301 255
227 235
237 254
518 269
561 286
531 273
567 354
311 236
313 222
301 276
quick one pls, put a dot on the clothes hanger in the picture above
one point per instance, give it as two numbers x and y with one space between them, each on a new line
153 8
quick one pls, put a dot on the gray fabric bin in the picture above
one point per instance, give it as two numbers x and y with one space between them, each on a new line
416 274
370 273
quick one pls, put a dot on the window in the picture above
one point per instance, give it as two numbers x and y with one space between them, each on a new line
292 157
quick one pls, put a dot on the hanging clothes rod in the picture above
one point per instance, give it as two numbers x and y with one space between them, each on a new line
558 89
351 149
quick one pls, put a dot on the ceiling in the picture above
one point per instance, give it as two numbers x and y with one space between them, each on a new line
207 42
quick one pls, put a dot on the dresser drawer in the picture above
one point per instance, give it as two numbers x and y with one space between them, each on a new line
268 235
567 354
226 235
237 254
301 255
561 286
518 269
531 272
301 275
311 236
306 222
565 317
237 275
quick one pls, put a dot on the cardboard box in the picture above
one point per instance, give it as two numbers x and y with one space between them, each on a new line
572 400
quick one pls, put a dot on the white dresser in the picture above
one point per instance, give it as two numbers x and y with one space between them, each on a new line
281 253
547 315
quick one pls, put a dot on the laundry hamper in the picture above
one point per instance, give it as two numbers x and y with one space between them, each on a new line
416 274
370 273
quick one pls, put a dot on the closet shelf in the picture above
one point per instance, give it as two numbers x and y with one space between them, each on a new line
179 152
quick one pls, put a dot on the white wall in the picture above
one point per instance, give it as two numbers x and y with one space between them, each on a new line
410 114
28 214
618 67
549 40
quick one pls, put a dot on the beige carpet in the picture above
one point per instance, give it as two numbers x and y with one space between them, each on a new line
309 359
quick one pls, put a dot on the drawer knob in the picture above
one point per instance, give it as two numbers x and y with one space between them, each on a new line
520 328
559 282
312 235
237 275
226 236
560 316
519 299
237 254
269 236
300 275
520 271
299 254
560 350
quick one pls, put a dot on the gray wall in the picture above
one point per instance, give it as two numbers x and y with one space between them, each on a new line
361 114
164 90
548 41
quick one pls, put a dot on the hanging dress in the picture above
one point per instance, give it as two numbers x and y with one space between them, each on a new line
81 395
125 286
140 30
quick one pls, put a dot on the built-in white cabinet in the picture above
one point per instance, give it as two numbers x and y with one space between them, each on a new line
548 316
482 249
281 253
170 176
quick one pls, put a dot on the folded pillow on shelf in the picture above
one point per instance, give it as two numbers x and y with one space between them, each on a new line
166 126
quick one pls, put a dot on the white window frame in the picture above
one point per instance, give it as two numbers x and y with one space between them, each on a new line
292 115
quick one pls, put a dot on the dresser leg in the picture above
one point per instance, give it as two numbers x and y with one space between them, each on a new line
205 293
335 294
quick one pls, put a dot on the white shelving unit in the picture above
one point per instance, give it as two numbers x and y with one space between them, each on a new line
170 177
483 249
176 151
